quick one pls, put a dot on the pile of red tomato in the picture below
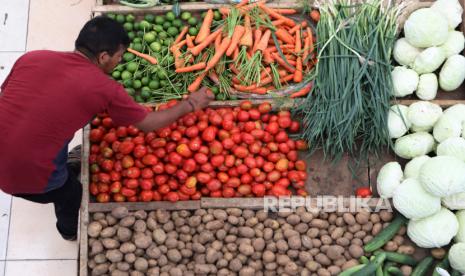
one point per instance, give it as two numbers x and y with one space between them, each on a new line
227 152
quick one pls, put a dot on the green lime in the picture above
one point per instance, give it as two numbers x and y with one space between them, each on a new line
144 62
159 20
149 17
192 21
128 26
136 84
137 40
128 56
140 34
139 99
170 16
172 31
177 23
154 84
136 26
216 15
163 35
120 18
138 47
132 66
128 83
193 31
158 28
119 67
130 18
131 35
150 37
186 15
131 91
167 42
166 25
145 80
138 75
145 94
163 83
161 74
111 15
220 97
215 90
116 74
126 75
170 59
233 97
144 25
155 46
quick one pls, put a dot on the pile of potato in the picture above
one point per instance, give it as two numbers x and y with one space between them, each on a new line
231 242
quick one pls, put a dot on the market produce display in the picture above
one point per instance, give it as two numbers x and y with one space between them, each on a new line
227 152
430 54
235 241
346 111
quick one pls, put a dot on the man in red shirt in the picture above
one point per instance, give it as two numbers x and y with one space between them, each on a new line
48 96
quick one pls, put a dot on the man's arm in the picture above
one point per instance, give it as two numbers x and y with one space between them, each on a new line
158 119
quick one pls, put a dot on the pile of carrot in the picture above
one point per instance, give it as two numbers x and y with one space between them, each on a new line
263 35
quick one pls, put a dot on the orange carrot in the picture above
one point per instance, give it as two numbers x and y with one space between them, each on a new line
267 58
181 43
261 46
235 80
191 68
189 41
290 57
257 37
148 58
256 90
217 42
265 72
194 86
287 78
247 39
197 49
315 15
310 36
289 22
301 25
181 35
284 36
242 3
283 63
224 11
302 92
178 61
233 69
236 36
236 53
306 48
277 22
298 70
204 31
286 11
298 42
218 53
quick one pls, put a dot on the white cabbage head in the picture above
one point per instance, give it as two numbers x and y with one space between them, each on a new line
452 73
404 53
429 60
427 87
389 177
457 257
412 168
454 44
447 127
412 201
454 202
443 176
404 81
424 114
434 231
398 122
461 234
426 28
456 111
451 10
454 146
414 145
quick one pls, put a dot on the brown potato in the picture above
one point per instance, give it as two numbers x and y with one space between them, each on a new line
114 255
362 217
124 234
334 270
438 253
142 241
343 242
349 218
406 270
322 259
319 223
120 212
127 221
159 236
349 264
391 246
356 251
385 215
335 252
94 228
110 243
100 269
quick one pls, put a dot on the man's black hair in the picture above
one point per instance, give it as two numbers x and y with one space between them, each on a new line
101 34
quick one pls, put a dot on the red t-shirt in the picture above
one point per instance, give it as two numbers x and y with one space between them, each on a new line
45 99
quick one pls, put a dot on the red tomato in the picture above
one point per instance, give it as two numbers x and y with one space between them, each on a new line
133 172
176 135
172 196
126 147
183 150
301 145
173 184
250 162
215 119
93 188
121 132
260 178
119 198
158 168
246 105
259 190
217 160
228 192
203 177
127 161
161 179
195 144
363 192
233 182
272 128
192 132
202 125
246 178
242 169
284 122
160 153
127 192
255 172
227 124
104 178
96 121
147 173
146 196
214 185
282 165
189 165
222 177
139 151
209 133
241 152
115 187
158 143
254 114
244 189
279 191
107 165
132 130
300 165
149 160
170 168
273 176
110 137
164 189
103 198
258 134
96 135
175 158
264 107
243 116
207 167
233 172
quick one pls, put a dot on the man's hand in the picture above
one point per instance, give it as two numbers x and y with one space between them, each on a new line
200 98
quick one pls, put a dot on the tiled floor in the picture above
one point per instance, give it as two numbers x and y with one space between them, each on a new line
29 242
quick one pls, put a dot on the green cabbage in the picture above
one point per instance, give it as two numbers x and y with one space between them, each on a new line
452 73
389 177
424 114
404 53
454 146
427 87
454 44
426 28
434 231
443 176
447 127
457 111
460 237
451 10
404 81
457 257
414 145
412 168
429 60
412 201
398 122
454 202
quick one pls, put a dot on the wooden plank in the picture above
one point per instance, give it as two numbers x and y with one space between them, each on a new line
243 203
442 103
154 205
84 211
185 6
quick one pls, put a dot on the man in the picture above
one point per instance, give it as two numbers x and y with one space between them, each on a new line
48 96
